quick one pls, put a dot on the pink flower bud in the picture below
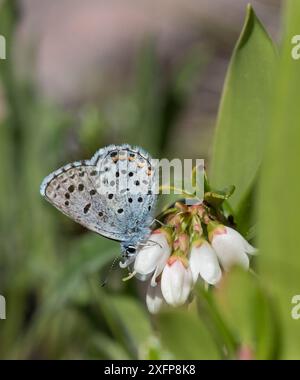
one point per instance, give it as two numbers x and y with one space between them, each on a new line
176 281
230 246
204 262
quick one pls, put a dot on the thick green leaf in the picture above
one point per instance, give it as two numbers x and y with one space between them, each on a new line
186 337
280 189
243 113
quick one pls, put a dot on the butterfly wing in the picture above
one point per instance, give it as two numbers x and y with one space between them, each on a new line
129 174
112 194
72 191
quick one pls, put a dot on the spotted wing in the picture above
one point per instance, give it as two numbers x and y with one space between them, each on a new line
72 190
129 176
112 194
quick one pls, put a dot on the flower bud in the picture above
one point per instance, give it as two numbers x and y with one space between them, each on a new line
182 243
153 256
154 298
204 262
176 281
230 246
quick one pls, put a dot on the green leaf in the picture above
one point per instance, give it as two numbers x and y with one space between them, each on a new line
243 113
186 336
279 228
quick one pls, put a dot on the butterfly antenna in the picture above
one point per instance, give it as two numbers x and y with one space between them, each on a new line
164 224
154 243
159 222
117 258
147 245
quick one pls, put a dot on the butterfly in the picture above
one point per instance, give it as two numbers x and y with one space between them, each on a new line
112 194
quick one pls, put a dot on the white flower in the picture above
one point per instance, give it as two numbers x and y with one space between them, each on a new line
176 281
203 261
153 256
154 298
230 246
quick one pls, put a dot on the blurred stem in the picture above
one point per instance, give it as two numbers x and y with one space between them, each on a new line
25 226
112 319
224 336
11 133
8 20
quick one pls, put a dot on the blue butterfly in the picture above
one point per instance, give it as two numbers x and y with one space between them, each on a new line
112 194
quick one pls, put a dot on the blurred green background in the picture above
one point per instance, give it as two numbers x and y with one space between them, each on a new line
82 75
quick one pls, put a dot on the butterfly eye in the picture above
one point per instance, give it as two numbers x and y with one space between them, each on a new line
131 250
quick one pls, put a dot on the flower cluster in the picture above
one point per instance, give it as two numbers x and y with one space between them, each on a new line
189 246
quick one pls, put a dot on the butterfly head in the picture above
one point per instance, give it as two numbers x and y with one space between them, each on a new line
128 251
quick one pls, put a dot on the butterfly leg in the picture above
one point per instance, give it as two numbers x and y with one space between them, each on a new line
161 223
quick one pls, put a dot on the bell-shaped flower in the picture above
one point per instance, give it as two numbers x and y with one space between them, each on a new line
176 280
231 247
153 256
154 298
203 261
